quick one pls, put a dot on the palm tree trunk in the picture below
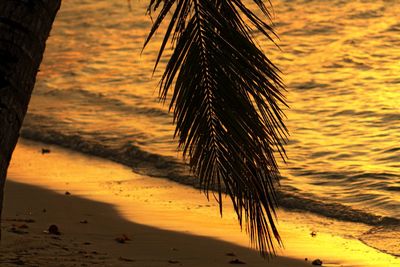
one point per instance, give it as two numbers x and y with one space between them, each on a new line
24 28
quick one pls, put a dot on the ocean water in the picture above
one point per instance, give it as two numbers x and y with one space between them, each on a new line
340 61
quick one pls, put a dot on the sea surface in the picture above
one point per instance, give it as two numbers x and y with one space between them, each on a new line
340 60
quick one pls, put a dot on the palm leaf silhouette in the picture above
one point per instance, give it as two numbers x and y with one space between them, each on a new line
226 105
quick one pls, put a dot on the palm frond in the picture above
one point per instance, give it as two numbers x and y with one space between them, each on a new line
226 105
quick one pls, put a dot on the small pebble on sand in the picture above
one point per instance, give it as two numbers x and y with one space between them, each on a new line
53 230
45 151
313 234
237 261
122 239
317 262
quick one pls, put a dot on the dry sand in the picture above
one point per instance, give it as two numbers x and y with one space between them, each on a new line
167 224
94 243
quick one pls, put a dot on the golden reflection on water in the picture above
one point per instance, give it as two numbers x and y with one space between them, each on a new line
341 63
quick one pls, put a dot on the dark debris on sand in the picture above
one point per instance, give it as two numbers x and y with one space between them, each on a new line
237 261
122 239
317 262
53 230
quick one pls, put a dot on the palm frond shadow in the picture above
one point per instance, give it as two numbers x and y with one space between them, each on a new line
226 104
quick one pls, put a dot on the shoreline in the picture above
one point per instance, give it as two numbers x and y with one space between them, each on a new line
166 167
179 210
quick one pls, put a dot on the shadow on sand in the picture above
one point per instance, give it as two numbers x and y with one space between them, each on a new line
88 236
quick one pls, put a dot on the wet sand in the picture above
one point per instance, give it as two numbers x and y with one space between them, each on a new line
162 223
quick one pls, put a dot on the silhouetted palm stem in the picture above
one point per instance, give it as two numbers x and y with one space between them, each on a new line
226 104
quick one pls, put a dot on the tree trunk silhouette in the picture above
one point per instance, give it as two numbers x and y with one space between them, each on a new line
24 28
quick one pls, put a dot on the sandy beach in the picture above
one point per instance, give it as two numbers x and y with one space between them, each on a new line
98 177
109 216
